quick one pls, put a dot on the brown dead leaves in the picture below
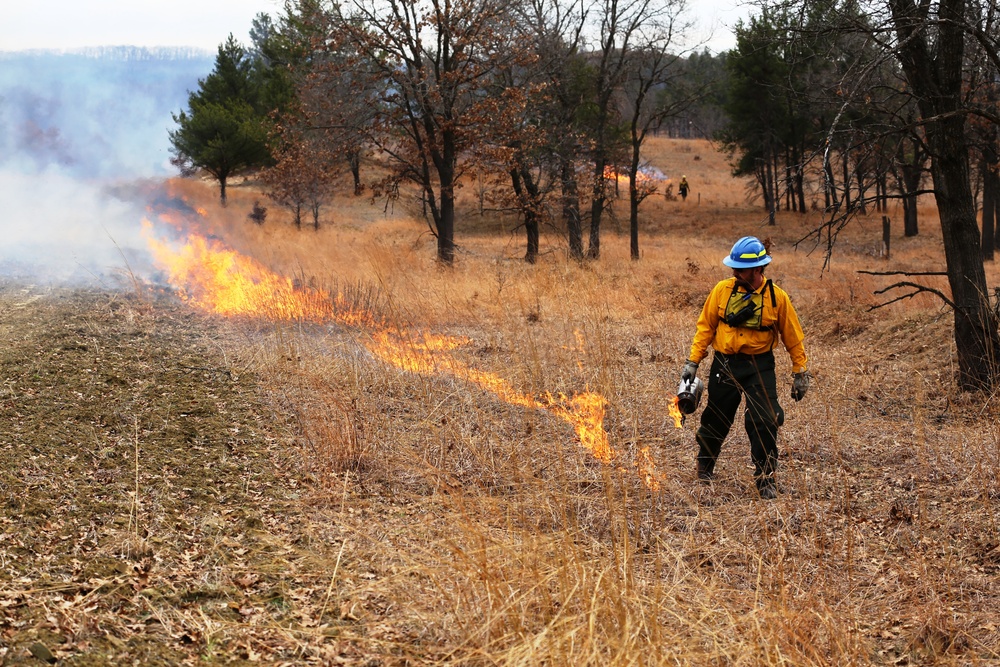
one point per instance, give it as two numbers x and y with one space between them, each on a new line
144 514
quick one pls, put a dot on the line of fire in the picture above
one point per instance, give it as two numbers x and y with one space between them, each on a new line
216 279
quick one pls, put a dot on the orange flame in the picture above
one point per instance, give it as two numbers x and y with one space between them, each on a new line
584 412
220 280
612 173
647 470
675 412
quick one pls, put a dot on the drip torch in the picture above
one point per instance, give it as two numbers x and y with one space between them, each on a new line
689 395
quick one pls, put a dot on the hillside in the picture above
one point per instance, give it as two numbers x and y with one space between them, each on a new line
406 475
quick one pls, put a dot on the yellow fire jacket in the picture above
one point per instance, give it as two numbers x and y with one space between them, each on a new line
771 316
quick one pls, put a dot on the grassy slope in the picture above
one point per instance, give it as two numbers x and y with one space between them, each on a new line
404 517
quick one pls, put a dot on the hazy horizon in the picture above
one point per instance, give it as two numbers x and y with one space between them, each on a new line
82 134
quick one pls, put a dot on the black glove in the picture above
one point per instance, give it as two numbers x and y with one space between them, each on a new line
800 385
689 372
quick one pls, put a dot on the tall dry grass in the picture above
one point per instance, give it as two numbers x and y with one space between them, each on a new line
492 537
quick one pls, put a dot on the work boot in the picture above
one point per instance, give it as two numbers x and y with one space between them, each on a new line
705 475
767 489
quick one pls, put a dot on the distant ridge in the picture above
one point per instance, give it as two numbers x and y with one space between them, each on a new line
116 53
102 112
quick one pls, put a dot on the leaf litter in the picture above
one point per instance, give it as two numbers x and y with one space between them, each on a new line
150 512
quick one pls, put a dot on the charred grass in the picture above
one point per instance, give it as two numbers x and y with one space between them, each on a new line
180 488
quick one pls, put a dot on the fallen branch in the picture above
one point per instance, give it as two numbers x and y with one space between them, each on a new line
917 289
904 273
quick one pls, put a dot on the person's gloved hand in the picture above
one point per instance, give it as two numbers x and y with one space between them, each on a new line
690 370
800 385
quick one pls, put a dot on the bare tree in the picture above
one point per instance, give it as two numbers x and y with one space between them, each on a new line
620 25
645 104
433 57
930 46
302 178
553 31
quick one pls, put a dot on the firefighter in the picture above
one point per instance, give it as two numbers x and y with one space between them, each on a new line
682 188
743 319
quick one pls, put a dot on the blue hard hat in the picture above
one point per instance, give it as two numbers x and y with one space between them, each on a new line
747 253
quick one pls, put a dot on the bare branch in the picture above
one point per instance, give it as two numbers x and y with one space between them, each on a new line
917 289
904 273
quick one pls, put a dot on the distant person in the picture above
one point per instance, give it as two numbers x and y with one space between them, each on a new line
682 188
743 318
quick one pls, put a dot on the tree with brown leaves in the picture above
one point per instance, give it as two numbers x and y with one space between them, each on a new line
432 59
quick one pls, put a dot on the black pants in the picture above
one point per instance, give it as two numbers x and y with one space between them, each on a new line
731 378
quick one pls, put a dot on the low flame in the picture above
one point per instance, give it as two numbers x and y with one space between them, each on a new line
219 280
584 412
613 174
647 470
643 175
674 409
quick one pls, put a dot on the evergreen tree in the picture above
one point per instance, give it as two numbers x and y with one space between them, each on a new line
225 129
757 109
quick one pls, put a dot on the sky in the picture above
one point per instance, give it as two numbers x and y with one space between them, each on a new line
72 24
204 24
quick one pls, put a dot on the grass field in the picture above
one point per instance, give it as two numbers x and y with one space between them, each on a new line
476 466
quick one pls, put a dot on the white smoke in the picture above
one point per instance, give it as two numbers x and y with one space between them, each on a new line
83 140
58 228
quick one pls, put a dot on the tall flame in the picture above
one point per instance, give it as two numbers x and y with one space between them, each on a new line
674 409
217 279
220 280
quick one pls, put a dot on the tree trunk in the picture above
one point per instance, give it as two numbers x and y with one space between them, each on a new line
772 195
862 190
633 197
881 192
976 337
934 75
445 160
909 174
911 184
800 178
446 230
633 217
791 204
996 212
571 210
990 186
910 220
830 188
354 159
596 209
526 191
846 170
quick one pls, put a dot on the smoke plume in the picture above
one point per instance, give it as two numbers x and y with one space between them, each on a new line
83 148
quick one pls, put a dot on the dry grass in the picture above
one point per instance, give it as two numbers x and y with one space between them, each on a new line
434 521
877 552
